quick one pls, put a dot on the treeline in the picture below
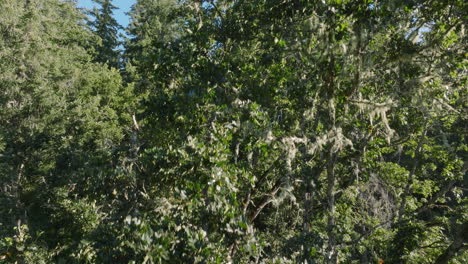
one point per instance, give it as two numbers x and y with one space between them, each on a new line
234 131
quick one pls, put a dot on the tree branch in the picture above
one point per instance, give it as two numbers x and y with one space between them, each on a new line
268 199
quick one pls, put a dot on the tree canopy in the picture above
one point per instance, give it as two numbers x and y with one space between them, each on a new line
257 131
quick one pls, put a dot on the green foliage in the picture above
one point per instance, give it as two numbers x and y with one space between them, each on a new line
107 29
237 132
62 120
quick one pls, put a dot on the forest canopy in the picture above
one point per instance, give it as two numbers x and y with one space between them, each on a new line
234 131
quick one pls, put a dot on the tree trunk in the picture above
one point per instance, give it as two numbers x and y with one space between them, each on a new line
332 256
308 208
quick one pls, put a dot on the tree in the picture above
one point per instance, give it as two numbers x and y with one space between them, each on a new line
106 27
304 97
63 119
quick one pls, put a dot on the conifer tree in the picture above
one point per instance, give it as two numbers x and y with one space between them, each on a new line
107 28
62 120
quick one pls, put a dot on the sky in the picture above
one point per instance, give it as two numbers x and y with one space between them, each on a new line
119 14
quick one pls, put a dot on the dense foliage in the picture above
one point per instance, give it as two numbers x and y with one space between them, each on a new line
259 131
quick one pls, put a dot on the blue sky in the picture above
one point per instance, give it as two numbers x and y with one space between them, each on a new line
123 5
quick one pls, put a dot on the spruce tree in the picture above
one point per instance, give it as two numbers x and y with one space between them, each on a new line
107 28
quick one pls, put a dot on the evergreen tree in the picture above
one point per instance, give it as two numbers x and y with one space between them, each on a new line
62 120
106 27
